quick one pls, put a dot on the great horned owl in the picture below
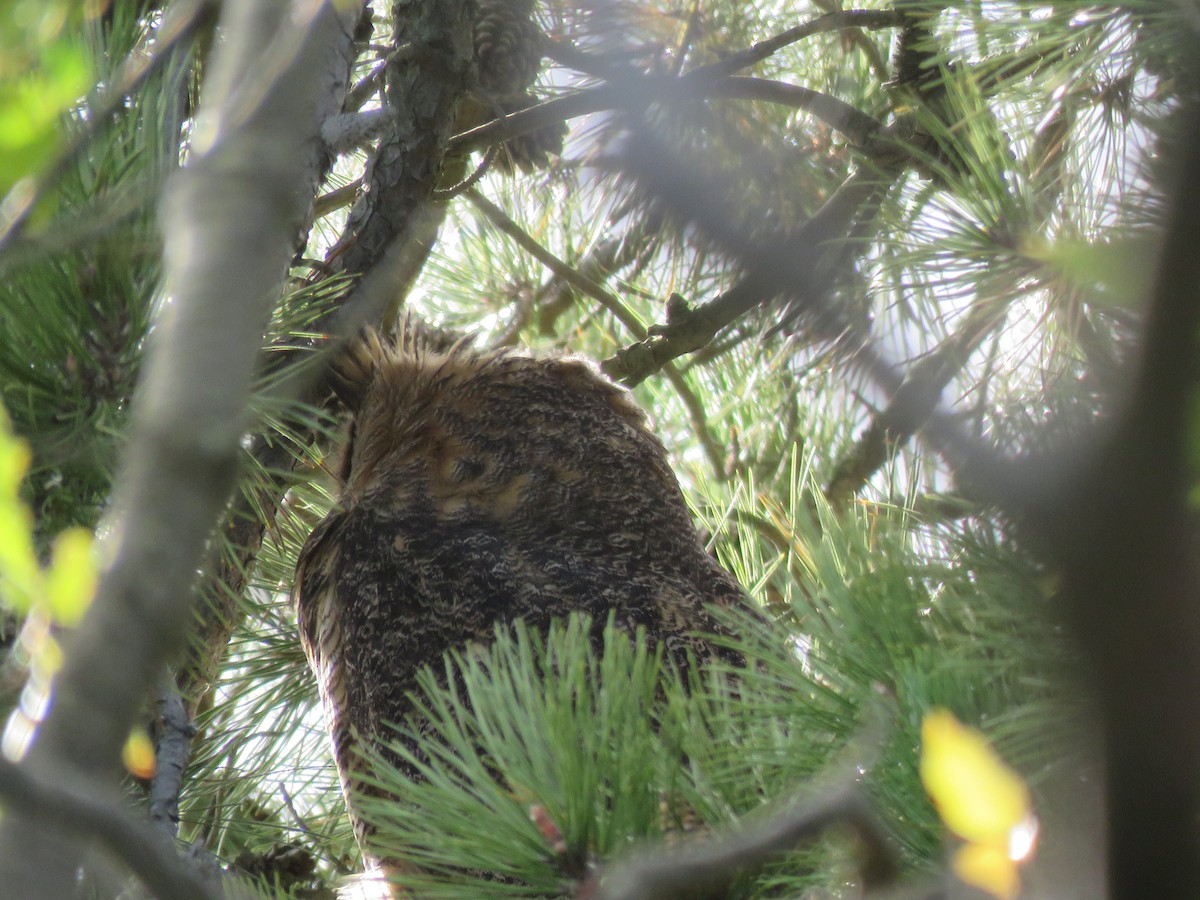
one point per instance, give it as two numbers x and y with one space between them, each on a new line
481 488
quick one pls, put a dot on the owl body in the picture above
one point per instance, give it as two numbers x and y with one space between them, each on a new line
480 488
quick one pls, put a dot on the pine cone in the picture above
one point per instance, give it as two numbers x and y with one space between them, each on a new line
508 47
530 151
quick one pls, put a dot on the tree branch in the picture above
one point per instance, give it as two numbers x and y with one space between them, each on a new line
91 817
387 238
687 329
869 19
632 91
571 57
699 419
427 75
229 220
526 242
708 868
172 732
911 404
602 260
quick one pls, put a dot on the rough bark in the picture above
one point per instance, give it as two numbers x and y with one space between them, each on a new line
386 240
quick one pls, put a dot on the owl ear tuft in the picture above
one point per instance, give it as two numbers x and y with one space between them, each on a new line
355 365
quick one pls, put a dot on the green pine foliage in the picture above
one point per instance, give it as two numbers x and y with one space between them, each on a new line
544 760
76 299
1044 165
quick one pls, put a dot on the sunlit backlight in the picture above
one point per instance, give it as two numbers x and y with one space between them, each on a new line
1022 840
368 886
18 733
982 800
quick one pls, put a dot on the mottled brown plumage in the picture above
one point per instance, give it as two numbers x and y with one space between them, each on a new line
481 488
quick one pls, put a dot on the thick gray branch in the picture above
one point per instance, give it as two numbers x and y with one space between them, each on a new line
229 220
148 854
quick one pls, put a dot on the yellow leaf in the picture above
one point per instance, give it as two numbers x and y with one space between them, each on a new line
20 575
71 579
138 755
14 461
987 867
978 797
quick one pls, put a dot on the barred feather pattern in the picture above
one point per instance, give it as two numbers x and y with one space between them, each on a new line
480 488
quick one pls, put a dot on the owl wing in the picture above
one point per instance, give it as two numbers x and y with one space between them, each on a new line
322 635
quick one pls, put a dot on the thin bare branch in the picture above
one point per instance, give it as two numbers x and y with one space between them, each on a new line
855 125
172 732
526 242
868 19
441 195
699 420
909 408
337 198
707 869
687 329
632 92
602 260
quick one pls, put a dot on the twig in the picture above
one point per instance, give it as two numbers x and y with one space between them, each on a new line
516 124
361 92
337 198
856 126
687 329
603 259
572 57
869 19
632 91
172 733
599 293
708 868
910 406
145 852
699 419
441 195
